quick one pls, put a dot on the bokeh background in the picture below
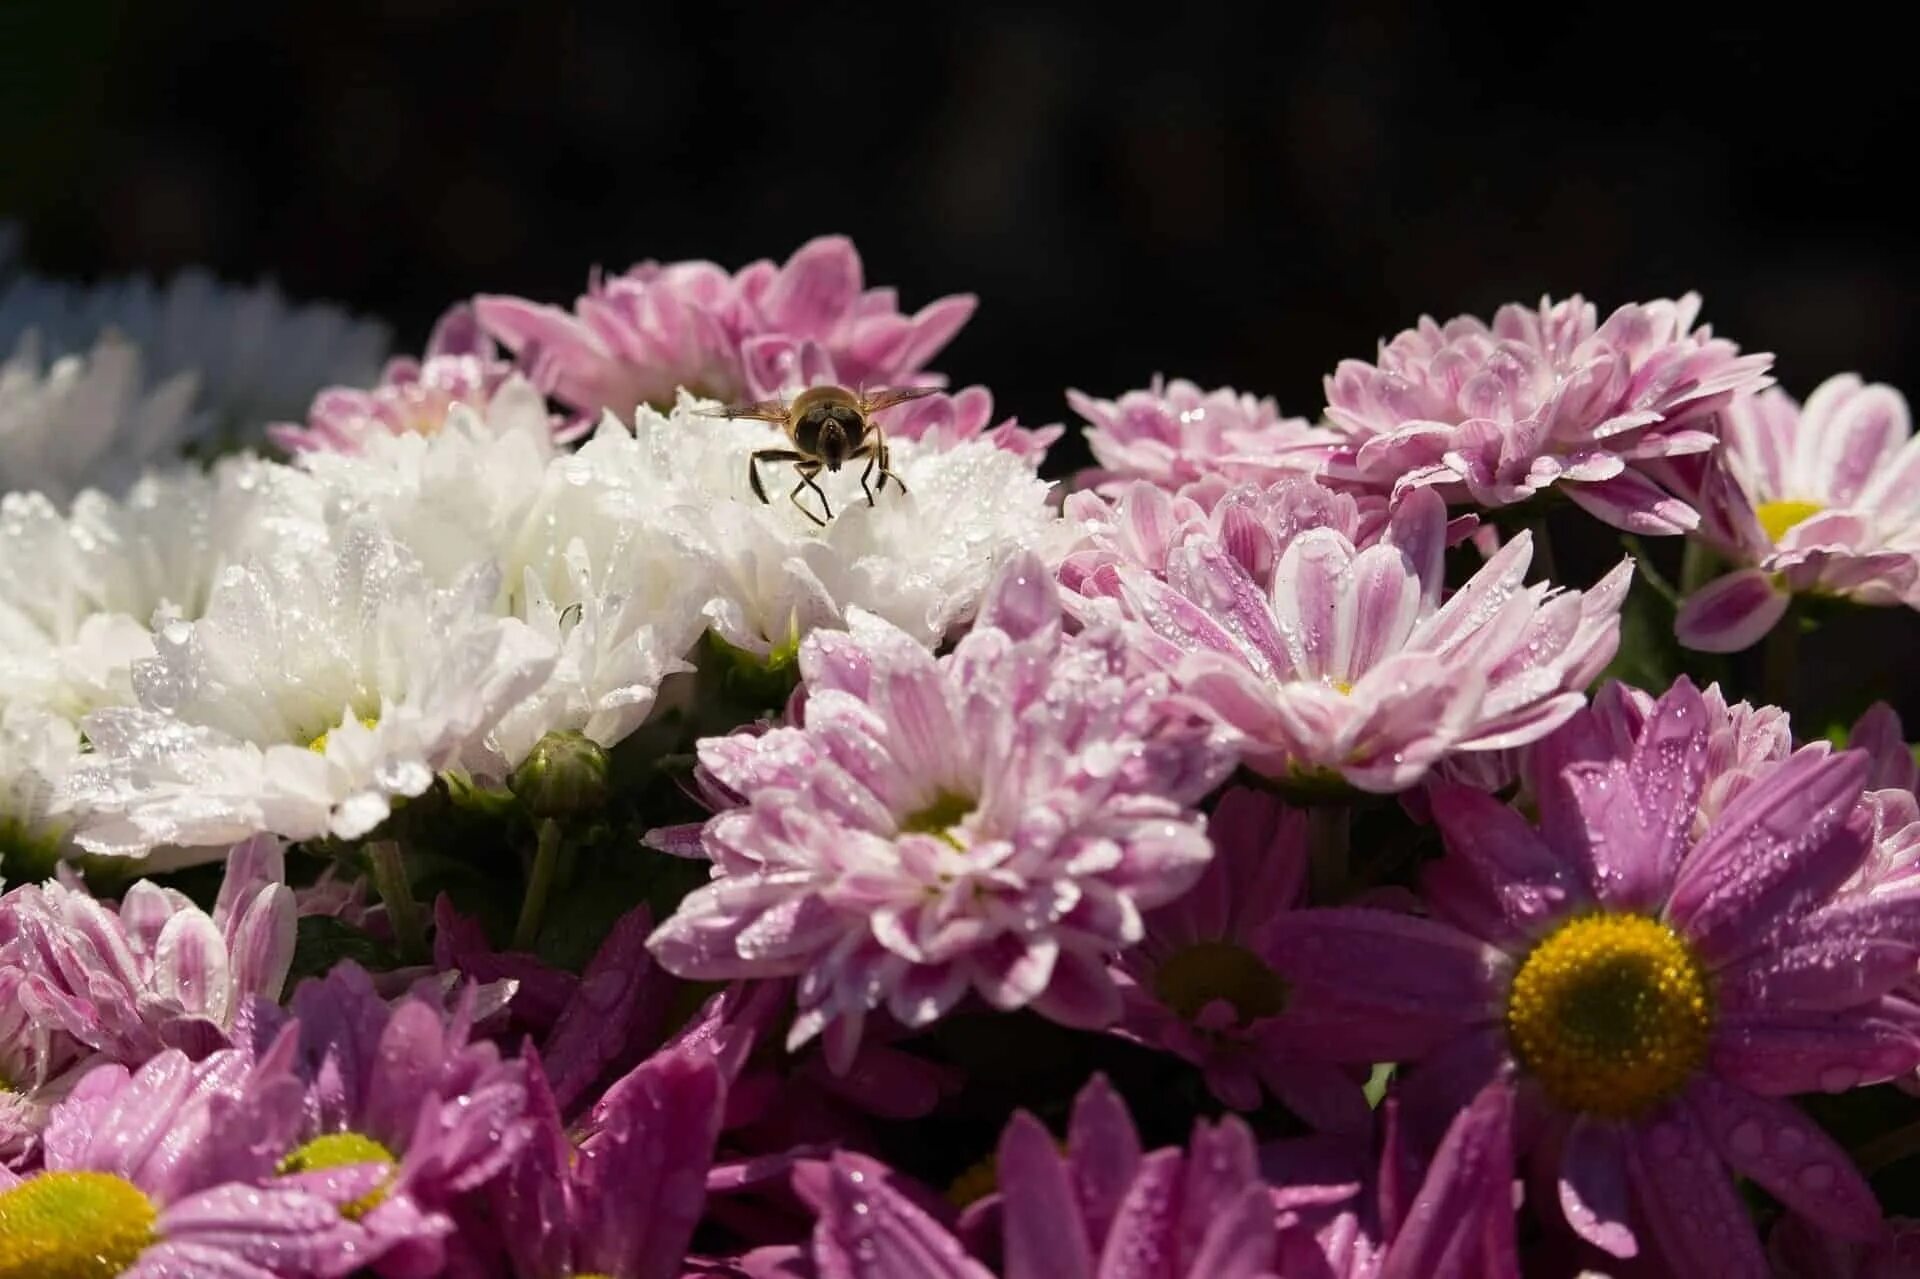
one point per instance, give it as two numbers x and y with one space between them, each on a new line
1237 194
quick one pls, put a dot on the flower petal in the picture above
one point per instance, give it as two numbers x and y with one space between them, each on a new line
1683 1193
1594 1192
1731 613
1039 1217
1789 1155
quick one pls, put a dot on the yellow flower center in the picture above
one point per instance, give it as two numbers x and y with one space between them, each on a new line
976 1183
1777 517
73 1225
940 818
343 1150
1612 1013
1340 686
319 744
1199 974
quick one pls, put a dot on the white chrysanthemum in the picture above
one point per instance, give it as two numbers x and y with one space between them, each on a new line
258 357
37 752
79 591
85 418
590 570
919 558
317 686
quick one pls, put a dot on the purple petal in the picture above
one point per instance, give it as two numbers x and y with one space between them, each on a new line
1044 1238
1779 1054
1021 599
1103 1154
1141 1244
1638 813
1632 502
607 1005
1461 1222
870 1230
1498 876
1683 1193
1778 847
1381 965
1240 1238
1731 613
1789 1155
1594 1192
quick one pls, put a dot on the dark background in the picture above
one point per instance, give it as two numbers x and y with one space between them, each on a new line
1235 194
1232 195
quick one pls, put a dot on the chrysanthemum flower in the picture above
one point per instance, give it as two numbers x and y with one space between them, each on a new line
158 971
404 1114
1174 434
152 1176
992 821
315 689
255 357
1349 665
1654 995
919 558
947 419
1495 414
1102 1210
413 397
1199 984
1350 1211
1820 500
37 751
90 419
625 1200
640 337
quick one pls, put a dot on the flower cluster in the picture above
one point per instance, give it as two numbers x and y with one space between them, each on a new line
501 836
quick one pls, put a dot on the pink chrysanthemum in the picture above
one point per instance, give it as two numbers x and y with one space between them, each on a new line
1347 665
1821 500
1654 994
1102 1210
158 972
1199 984
1174 434
945 420
1495 414
156 1176
413 397
638 338
994 820
624 1200
403 1114
1349 1211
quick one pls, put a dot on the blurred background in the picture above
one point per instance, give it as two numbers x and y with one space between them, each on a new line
1235 195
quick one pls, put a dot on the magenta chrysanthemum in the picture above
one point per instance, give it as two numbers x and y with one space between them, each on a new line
1654 993
1821 500
1347 665
156 1175
1543 398
945 420
1199 983
1174 434
992 821
639 337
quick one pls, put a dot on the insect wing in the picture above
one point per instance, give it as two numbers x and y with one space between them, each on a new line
886 399
759 411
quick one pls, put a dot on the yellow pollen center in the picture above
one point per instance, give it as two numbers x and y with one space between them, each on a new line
319 744
1340 686
940 818
73 1225
1777 517
975 1183
342 1150
1197 975
1612 1013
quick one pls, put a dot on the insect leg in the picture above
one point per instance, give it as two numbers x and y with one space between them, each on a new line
886 464
872 455
767 455
806 471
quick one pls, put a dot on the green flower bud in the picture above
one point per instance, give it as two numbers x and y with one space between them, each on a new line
565 774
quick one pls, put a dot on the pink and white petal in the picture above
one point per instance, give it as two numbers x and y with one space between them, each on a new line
1417 525
1632 502
1204 571
1010 974
1386 602
190 966
1781 1054
1776 848
1594 1191
1858 436
169 1260
1311 603
1080 992
1731 613
1686 1199
701 941
274 1228
1788 1155
1040 1224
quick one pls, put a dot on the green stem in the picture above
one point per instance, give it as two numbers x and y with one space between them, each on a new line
1781 660
1329 833
403 912
1888 1149
1698 566
533 908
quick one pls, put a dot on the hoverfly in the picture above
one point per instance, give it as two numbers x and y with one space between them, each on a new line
828 426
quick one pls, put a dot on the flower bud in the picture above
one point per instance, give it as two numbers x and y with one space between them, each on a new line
563 775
